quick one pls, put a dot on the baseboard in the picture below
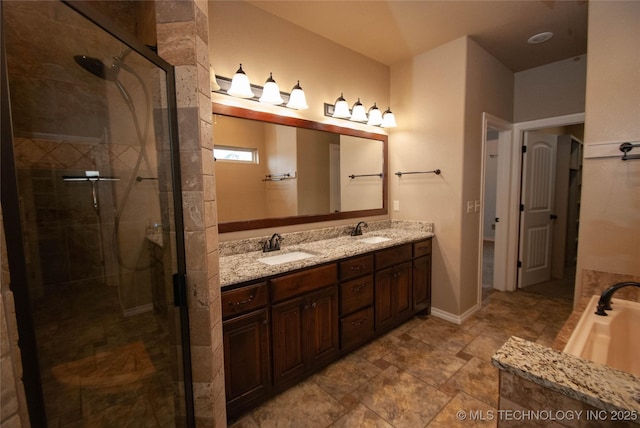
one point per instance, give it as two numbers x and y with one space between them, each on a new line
456 319
137 310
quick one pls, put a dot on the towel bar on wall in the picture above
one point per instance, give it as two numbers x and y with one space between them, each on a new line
435 171
352 176
626 148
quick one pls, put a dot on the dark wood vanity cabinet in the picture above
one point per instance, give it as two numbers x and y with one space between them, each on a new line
279 331
246 343
305 327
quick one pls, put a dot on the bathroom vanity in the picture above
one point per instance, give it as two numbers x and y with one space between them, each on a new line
283 322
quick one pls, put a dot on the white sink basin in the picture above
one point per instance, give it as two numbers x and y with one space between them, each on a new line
374 239
285 258
610 340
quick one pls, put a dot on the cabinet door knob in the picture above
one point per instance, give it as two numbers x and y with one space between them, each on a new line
265 322
313 305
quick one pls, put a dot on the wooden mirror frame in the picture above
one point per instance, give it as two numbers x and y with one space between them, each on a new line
234 226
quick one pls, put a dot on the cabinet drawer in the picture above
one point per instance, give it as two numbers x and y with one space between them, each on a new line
422 248
356 294
245 299
303 282
393 256
357 328
356 267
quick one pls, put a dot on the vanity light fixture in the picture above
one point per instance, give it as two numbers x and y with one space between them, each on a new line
297 99
240 85
271 92
388 119
374 117
341 108
358 113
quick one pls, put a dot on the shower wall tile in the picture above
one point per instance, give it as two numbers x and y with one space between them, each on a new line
188 122
198 286
178 41
200 324
174 11
186 89
191 170
195 247
209 187
193 210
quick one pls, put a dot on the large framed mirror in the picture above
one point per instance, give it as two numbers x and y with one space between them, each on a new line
275 170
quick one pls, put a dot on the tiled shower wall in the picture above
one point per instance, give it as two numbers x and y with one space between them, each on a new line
182 31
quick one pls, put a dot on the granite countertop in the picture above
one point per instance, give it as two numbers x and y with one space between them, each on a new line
595 384
242 266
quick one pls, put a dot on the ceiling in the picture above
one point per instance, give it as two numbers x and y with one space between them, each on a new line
391 31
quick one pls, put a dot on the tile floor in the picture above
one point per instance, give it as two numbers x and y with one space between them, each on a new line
418 375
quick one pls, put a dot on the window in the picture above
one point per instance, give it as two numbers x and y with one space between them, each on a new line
235 154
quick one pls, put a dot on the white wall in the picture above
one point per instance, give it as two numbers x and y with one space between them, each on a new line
609 236
550 90
441 95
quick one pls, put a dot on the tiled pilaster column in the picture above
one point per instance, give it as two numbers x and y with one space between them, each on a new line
182 30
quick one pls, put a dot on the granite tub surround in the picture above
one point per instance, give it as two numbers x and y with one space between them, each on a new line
239 259
571 381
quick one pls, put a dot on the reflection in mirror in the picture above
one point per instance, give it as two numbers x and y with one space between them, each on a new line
274 171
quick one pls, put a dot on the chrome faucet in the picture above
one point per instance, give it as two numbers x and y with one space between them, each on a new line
604 304
357 231
272 244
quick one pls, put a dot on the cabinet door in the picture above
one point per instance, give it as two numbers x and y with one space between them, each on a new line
289 331
246 364
393 296
384 299
422 284
323 326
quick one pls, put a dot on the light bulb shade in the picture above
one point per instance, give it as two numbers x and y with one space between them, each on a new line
240 85
297 99
358 113
341 108
375 116
271 92
388 119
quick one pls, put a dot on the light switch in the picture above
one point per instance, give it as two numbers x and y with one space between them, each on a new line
477 206
469 207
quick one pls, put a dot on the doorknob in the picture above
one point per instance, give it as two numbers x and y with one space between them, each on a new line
497 219
553 217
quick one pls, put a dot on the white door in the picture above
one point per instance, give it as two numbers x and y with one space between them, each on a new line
536 224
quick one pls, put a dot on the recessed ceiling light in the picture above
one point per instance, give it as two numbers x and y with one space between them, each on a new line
540 38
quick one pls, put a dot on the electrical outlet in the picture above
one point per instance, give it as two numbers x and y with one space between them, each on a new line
396 205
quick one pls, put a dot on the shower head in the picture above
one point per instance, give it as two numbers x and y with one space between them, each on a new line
97 67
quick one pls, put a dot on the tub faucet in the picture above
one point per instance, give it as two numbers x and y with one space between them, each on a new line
272 244
604 304
357 231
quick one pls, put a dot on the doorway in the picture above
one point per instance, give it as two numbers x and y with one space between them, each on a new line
506 241
93 220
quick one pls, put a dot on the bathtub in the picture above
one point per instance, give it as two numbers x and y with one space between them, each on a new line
613 340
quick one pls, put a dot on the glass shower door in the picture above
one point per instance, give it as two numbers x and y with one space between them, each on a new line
93 157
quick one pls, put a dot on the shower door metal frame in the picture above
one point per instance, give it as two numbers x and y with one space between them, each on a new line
13 234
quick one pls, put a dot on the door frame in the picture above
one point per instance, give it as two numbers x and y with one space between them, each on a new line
510 203
505 130
515 192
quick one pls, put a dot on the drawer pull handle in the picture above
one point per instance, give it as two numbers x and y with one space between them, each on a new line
358 287
242 302
359 322
357 267
423 248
